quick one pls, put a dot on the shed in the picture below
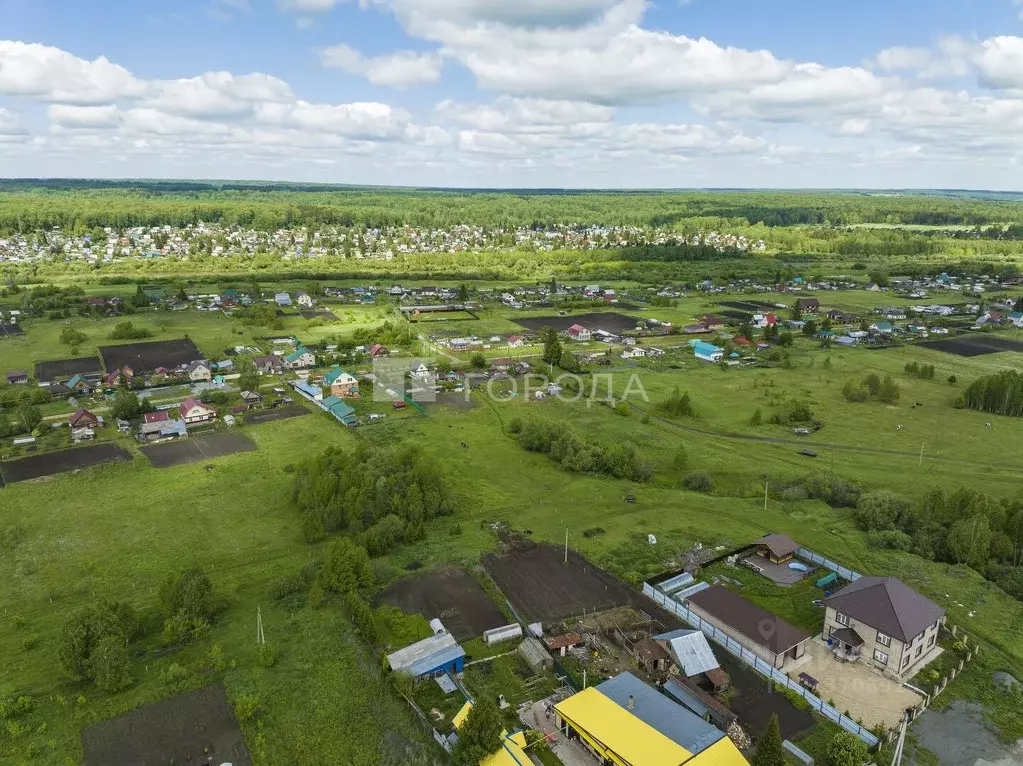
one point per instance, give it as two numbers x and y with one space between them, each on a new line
650 655
777 549
429 657
559 645
535 655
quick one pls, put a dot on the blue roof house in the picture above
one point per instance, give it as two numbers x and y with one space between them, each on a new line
430 657
282 299
708 352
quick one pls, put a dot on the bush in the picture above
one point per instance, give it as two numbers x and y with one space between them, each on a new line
677 405
246 707
346 567
128 331
282 587
854 392
891 538
622 409
757 418
515 425
698 481
267 655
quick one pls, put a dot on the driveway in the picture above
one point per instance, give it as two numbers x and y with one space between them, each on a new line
853 687
570 753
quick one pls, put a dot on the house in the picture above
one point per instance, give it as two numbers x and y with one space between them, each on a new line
299 359
304 300
712 323
162 429
193 411
692 658
344 413
199 371
708 352
650 655
82 418
839 316
433 656
884 328
512 748
559 646
282 299
883 623
114 377
760 321
625 721
17 377
1016 318
591 291
633 352
160 416
808 305
765 634
251 397
419 371
578 332
514 341
778 549
267 365
342 384
377 350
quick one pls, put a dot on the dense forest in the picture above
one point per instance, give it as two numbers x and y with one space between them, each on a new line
29 205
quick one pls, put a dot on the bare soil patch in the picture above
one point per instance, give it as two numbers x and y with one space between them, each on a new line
145 357
752 306
318 314
194 727
52 463
450 594
975 345
541 586
608 321
281 413
197 448
67 368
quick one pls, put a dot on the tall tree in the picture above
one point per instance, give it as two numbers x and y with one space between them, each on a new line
551 345
480 734
769 750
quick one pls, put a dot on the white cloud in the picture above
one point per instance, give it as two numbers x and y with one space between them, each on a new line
10 124
1000 62
218 94
70 116
309 6
51 74
398 69
507 114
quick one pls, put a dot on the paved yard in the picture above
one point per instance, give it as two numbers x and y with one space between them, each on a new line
854 687
779 574
570 753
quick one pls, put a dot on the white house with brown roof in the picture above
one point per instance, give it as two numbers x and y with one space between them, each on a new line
194 411
883 623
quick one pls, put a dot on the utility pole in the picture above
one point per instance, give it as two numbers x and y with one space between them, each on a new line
584 679
921 456
260 638
766 485
566 546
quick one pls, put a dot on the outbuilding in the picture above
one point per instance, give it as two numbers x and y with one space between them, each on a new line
430 657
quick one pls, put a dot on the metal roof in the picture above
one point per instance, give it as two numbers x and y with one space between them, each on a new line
660 713
888 605
426 655
691 650
779 545
743 616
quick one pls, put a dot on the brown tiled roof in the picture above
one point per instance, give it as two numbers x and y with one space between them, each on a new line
779 545
888 605
650 650
748 619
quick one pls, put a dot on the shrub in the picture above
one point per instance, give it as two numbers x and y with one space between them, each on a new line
698 481
891 538
757 418
246 707
854 392
622 409
515 425
677 405
282 587
267 655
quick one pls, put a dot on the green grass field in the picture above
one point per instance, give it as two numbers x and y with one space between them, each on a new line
117 531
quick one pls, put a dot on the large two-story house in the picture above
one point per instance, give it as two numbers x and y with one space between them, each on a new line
884 623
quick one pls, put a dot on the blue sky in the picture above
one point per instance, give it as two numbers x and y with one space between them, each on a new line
537 93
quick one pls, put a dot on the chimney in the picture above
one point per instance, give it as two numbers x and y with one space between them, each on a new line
632 702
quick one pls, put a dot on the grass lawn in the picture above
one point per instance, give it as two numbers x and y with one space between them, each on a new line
794 603
117 531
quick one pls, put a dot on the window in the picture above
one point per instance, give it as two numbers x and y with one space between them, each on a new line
905 660
931 642
880 656
841 619
883 639
919 651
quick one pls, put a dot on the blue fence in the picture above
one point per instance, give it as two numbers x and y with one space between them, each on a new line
845 573
755 662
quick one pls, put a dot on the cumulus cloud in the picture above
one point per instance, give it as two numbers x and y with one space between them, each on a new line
10 124
217 94
1000 62
398 69
51 74
71 116
516 115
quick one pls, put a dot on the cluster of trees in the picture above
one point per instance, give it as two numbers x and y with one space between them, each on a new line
128 331
94 641
962 527
922 371
797 412
565 447
999 394
872 386
380 496
19 417
677 405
